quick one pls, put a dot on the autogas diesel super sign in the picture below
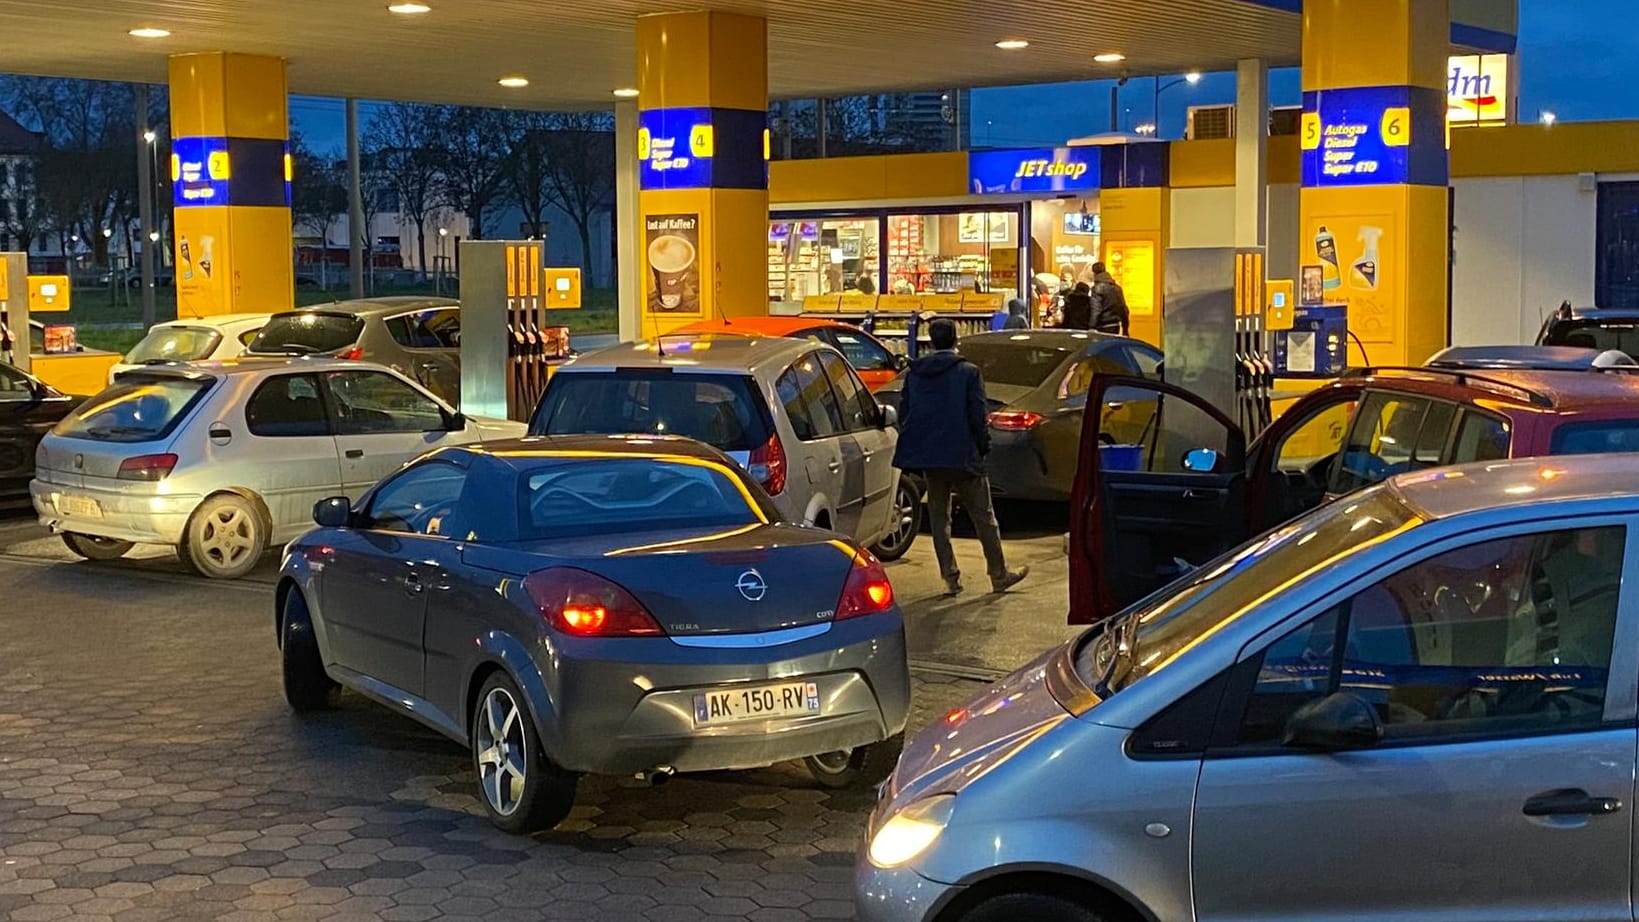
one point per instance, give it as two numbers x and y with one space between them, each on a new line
1370 136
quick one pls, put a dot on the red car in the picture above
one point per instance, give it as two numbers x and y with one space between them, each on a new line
1143 515
875 362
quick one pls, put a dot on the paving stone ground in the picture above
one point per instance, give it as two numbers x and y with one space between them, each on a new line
150 771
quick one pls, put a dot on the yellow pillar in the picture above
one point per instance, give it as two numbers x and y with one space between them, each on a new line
1133 236
702 81
1375 176
230 169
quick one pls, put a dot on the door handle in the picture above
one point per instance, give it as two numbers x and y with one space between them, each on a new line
1571 802
355 452
834 466
412 582
1200 495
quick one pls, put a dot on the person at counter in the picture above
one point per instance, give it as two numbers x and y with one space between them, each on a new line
1112 315
1078 308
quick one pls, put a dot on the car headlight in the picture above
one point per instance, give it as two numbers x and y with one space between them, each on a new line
911 831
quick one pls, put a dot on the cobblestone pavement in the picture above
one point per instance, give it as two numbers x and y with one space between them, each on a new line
149 770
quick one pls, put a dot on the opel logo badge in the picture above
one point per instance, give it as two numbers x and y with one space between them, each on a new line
79 461
752 586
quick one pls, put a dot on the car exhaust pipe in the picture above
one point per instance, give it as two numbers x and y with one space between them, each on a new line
657 776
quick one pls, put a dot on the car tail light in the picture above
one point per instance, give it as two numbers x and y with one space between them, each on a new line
147 467
587 605
352 353
767 465
1015 420
867 591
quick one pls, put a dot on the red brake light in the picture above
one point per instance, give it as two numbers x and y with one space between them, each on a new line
767 465
352 353
147 467
867 591
1015 420
587 605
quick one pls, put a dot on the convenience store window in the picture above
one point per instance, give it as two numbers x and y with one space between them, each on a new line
1616 247
945 253
820 256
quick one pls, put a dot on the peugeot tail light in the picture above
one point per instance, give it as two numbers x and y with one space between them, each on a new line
767 465
147 467
867 591
585 604
1015 420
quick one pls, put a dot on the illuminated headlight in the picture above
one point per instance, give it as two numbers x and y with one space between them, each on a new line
911 831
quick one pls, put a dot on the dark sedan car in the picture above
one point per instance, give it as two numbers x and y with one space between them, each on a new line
28 409
1036 383
597 604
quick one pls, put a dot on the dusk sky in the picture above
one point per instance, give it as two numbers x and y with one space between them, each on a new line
1573 56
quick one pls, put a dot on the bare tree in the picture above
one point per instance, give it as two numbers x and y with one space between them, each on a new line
403 140
527 170
475 144
580 169
318 195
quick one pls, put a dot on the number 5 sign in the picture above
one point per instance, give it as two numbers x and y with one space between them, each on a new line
1311 131
1397 126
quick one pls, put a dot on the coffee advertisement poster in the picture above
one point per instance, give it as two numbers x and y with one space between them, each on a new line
672 248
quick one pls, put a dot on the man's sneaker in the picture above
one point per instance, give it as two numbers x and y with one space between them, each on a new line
953 585
1009 581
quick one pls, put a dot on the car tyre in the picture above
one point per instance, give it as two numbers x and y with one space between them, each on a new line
521 789
861 767
92 547
225 537
1009 907
307 686
905 524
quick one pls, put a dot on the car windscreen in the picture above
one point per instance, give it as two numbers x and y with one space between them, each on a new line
1177 617
307 333
174 344
568 497
722 410
140 408
1014 363
1594 334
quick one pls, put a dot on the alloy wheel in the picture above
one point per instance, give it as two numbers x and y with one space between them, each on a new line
227 535
503 760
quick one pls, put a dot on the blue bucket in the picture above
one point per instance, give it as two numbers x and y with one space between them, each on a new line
1120 457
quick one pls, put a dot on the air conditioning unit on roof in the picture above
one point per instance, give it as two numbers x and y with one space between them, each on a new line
1207 123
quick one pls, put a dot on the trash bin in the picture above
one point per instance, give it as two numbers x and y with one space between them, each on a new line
1120 457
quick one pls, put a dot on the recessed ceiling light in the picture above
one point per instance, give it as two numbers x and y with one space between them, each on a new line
513 83
1012 44
1110 57
409 9
146 32
626 92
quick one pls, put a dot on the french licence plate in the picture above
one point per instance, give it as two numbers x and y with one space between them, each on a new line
758 702
83 506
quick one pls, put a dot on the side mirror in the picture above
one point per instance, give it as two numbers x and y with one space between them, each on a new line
901 362
1335 723
334 512
456 422
888 416
1201 461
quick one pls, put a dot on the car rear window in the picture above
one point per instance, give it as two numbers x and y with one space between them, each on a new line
139 408
1594 334
570 497
174 344
724 411
1596 438
308 332
1014 363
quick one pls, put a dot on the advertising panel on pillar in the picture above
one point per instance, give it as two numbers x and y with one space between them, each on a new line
671 253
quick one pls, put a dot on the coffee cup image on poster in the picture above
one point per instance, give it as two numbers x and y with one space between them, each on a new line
672 255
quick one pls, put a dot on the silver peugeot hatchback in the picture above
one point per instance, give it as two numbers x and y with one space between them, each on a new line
1417 703
223 460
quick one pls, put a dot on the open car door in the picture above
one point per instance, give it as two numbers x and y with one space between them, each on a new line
1159 490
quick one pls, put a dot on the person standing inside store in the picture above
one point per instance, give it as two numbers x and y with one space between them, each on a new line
1110 300
944 435
1078 308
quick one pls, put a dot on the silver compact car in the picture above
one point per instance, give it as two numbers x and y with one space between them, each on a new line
597 604
222 460
418 337
1417 702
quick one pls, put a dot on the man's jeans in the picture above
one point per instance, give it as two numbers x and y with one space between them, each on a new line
974 493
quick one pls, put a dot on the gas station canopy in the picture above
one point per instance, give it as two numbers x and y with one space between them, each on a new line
575 53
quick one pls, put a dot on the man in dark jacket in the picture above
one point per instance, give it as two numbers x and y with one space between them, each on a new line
1078 308
944 435
1110 300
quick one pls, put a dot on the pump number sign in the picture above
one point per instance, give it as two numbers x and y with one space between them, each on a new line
1366 136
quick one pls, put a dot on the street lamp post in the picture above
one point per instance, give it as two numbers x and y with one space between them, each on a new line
1191 78
443 232
145 203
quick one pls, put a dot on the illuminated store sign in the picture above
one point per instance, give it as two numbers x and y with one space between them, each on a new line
1047 169
1477 90
700 148
1365 136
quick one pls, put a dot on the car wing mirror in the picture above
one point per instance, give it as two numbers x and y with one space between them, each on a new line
456 422
333 512
1201 461
1335 723
901 362
887 416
